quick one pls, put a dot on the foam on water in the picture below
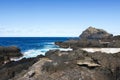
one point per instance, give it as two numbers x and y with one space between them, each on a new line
29 54
105 50
33 46
34 53
65 49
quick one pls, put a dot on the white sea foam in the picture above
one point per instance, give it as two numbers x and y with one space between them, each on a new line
16 59
105 50
32 53
29 54
65 49
50 43
36 52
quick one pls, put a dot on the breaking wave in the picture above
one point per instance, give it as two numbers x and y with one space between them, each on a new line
34 53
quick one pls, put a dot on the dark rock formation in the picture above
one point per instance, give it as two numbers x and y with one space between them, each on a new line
80 43
8 69
1 60
74 65
9 52
93 33
116 37
13 68
93 37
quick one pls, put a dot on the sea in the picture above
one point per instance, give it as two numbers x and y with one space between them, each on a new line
33 46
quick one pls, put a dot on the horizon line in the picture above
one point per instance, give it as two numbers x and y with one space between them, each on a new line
37 36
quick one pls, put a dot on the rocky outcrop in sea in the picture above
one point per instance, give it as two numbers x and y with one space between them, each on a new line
93 37
94 33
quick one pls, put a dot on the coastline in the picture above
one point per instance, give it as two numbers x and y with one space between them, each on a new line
81 59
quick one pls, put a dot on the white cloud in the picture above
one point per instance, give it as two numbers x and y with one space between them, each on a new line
37 31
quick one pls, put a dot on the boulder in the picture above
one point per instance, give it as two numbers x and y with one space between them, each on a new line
10 51
87 62
94 33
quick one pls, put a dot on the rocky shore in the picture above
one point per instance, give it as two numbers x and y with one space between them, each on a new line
6 53
68 65
74 65
93 38
8 68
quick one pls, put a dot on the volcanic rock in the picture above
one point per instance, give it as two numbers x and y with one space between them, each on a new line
94 33
9 52
13 68
95 66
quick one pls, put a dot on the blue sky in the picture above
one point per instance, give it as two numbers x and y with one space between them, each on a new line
48 18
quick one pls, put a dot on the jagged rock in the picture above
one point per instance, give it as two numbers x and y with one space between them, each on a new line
9 52
9 69
1 60
93 33
116 37
95 66
87 62
13 68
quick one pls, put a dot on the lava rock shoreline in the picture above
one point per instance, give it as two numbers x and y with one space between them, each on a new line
78 64
74 65
92 38
70 65
8 68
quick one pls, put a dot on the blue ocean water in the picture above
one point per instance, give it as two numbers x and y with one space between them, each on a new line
32 46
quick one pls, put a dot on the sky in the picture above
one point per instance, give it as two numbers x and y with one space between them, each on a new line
57 18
